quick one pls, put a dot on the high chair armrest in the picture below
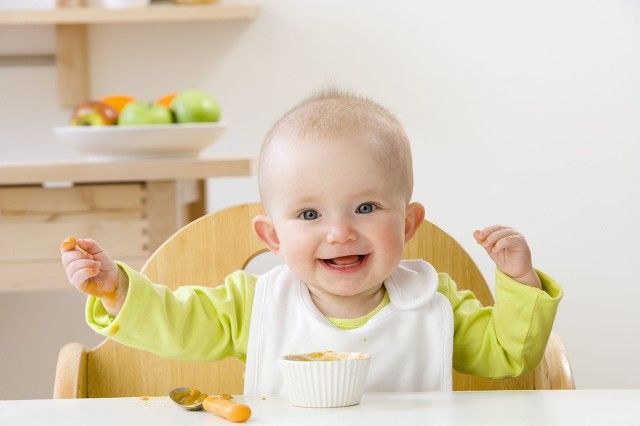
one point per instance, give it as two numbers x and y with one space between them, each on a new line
71 372
554 371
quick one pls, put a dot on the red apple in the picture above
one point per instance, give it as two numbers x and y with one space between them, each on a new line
94 113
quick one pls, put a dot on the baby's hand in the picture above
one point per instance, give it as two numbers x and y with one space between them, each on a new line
90 269
509 250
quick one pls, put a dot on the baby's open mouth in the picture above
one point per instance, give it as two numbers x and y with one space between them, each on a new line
345 262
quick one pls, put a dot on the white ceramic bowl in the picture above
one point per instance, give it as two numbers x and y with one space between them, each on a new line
335 380
145 141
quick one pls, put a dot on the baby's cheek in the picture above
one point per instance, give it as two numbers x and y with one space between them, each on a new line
301 270
392 235
297 257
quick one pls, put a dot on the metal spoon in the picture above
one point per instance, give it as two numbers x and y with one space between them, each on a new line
188 398
221 405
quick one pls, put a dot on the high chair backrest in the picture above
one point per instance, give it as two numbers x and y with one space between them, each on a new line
204 252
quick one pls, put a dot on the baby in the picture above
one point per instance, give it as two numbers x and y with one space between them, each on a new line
336 180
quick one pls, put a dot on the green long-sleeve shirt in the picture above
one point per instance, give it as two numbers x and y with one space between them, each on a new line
196 323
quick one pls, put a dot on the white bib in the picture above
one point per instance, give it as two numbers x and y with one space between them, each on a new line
410 340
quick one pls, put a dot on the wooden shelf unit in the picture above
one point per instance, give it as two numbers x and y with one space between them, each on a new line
71 33
131 207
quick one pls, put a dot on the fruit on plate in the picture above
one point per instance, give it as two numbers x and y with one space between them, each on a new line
194 106
166 100
138 113
118 102
93 113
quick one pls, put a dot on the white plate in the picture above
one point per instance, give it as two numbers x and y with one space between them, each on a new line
145 141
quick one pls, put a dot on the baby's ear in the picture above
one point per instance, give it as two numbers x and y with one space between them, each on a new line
266 232
413 219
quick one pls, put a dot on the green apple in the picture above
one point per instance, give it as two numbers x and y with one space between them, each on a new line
93 113
195 106
139 113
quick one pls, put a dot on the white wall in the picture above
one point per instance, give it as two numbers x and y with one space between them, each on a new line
519 113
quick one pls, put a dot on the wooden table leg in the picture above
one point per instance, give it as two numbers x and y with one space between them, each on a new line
170 206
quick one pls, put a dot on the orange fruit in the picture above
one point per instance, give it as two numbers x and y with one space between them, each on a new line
166 100
117 102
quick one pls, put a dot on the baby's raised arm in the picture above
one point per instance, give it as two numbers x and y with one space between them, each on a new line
90 269
510 251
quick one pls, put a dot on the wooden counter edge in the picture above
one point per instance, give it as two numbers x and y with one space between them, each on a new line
123 171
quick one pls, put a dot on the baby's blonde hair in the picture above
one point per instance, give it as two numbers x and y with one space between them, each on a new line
333 112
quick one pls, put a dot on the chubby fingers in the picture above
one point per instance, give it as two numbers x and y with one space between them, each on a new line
73 254
78 271
496 237
82 274
84 244
78 264
90 246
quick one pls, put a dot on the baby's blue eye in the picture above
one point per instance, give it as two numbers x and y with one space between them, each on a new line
308 215
366 208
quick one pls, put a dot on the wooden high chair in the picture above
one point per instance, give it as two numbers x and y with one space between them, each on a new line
208 249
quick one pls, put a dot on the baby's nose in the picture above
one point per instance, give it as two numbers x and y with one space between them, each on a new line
341 233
